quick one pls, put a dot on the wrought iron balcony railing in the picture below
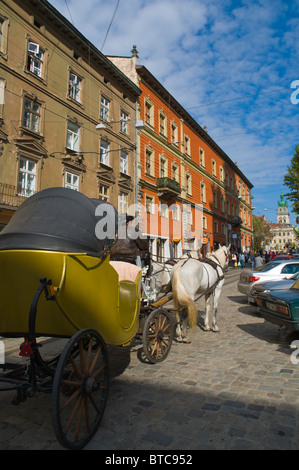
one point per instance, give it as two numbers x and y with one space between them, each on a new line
11 196
168 187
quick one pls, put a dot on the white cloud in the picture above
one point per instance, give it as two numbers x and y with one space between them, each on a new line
212 52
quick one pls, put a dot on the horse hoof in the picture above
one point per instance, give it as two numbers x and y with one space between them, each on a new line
187 340
206 328
215 329
178 340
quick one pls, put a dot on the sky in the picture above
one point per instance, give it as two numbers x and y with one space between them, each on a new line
233 65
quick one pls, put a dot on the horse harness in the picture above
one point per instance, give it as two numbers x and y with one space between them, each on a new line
214 265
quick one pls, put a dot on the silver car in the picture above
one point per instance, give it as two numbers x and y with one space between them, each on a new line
275 271
269 286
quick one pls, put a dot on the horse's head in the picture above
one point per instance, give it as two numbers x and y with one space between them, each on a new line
223 256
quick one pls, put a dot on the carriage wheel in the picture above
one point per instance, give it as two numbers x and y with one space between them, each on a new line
80 389
157 335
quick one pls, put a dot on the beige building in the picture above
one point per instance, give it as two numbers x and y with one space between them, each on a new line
55 90
284 234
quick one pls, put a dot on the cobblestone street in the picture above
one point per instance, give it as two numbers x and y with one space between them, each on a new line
236 389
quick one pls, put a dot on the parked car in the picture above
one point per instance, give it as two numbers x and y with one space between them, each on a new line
275 270
270 286
283 257
281 307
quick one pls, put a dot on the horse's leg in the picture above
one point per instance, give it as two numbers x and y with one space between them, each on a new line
178 331
216 299
209 308
184 324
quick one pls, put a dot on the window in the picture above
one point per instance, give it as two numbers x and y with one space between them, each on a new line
213 168
149 161
175 212
148 111
104 111
3 35
123 122
31 119
27 177
74 87
160 250
162 124
163 167
72 142
187 145
123 203
104 152
203 192
189 216
149 204
123 163
216 227
2 89
204 222
215 198
175 172
71 181
222 203
188 184
174 133
35 59
103 192
164 209
201 157
221 175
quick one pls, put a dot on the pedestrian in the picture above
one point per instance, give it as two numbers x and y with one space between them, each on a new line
242 260
251 260
258 261
234 260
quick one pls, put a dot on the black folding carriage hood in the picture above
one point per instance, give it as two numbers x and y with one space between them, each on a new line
59 219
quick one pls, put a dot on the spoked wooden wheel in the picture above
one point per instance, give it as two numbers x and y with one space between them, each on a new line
157 335
80 389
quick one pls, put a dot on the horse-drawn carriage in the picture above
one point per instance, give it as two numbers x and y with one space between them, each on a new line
57 280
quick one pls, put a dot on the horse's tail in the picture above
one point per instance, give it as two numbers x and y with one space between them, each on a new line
180 296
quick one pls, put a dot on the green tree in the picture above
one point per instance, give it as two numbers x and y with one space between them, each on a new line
291 180
261 232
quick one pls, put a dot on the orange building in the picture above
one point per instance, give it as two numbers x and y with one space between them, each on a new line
190 194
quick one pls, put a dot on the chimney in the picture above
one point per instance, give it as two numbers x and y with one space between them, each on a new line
134 56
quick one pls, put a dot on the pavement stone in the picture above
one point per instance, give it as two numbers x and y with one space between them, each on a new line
235 389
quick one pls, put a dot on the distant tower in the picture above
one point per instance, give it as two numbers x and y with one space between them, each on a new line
283 216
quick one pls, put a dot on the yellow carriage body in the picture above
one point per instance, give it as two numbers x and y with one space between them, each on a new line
90 292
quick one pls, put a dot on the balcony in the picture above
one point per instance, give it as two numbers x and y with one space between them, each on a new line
168 188
9 196
236 221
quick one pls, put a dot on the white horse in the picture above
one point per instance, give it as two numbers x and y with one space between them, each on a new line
193 278
161 274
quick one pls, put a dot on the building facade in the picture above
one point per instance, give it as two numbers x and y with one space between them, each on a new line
55 90
284 234
191 195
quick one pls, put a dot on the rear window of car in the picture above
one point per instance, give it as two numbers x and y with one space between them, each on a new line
268 267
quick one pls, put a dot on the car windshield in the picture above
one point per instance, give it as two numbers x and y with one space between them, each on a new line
267 267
